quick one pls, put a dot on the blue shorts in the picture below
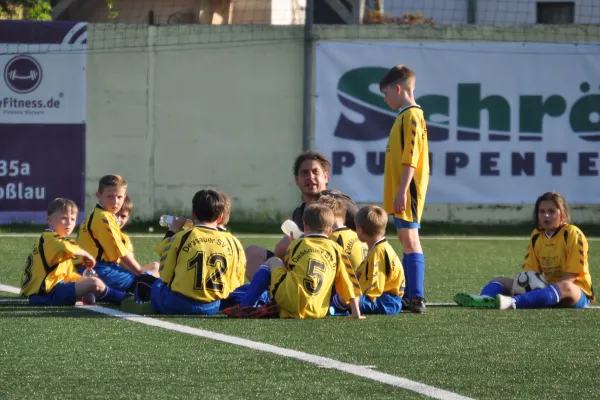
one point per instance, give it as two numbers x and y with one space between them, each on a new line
386 304
583 302
238 294
113 275
165 301
400 224
63 294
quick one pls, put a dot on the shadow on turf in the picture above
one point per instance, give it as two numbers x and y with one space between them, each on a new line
27 311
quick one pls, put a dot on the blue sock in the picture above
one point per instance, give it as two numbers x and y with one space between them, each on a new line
541 298
111 296
408 290
260 282
415 275
492 289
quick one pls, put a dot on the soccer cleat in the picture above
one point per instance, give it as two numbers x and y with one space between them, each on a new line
129 305
238 311
506 302
417 305
270 310
475 300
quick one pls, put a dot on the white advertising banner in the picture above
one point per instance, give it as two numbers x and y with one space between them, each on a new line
506 122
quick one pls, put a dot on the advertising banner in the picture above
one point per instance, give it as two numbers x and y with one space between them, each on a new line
506 122
42 117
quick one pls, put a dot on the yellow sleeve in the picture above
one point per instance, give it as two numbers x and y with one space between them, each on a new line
72 276
577 249
413 137
107 232
127 242
163 246
346 284
59 250
168 260
240 269
532 262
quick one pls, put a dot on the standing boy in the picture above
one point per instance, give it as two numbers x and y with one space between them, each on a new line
406 176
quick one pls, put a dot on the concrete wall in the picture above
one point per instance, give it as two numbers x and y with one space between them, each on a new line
177 108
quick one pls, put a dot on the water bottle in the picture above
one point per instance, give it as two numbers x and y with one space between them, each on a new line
290 226
89 299
166 220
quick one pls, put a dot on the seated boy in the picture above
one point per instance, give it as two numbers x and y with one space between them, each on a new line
301 286
198 266
380 275
49 277
100 235
123 217
342 235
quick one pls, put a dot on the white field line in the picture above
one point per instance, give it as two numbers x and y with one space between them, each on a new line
324 362
277 236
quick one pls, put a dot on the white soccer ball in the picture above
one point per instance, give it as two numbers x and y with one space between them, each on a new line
150 229
527 281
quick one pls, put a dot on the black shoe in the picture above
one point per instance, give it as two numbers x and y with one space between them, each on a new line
417 305
405 303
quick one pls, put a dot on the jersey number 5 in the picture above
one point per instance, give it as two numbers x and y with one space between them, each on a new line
315 271
214 281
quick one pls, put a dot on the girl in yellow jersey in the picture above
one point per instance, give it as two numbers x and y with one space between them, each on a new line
559 251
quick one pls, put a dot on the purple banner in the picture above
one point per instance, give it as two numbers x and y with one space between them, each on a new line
42 117
34 32
37 164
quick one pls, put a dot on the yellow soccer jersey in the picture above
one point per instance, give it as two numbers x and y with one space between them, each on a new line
127 242
240 262
49 263
199 263
313 265
381 272
353 248
566 251
407 144
100 235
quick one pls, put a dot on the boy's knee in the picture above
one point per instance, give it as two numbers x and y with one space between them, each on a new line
569 290
97 285
409 237
281 247
273 263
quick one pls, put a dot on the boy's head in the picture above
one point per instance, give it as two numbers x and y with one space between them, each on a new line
111 192
337 206
371 222
62 216
226 209
208 206
125 212
317 218
398 85
311 170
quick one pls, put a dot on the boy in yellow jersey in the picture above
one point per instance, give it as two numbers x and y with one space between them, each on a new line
406 176
123 217
301 285
49 277
558 250
341 234
380 275
100 235
198 266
